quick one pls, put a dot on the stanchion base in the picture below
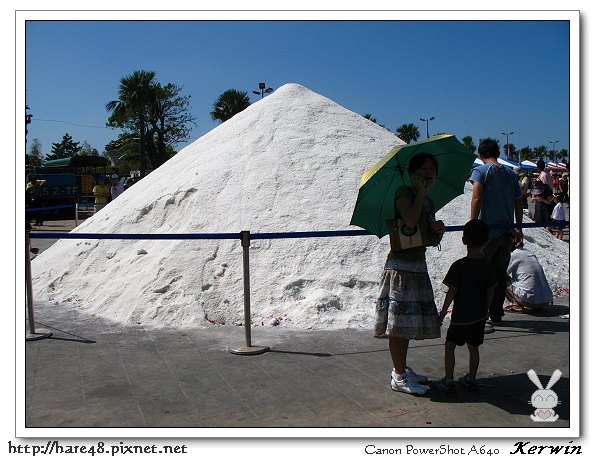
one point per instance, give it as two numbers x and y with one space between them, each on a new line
38 334
244 350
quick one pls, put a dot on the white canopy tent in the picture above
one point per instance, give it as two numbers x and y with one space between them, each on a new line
529 164
525 165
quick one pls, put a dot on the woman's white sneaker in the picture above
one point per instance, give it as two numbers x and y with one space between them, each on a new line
417 378
406 385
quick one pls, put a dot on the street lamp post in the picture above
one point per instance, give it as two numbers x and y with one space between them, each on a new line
508 147
554 145
427 121
263 91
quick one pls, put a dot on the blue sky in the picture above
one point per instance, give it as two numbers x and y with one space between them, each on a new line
477 78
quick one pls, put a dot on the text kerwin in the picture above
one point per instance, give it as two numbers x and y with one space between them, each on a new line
525 449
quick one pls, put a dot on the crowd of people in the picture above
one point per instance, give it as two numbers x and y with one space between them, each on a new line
497 267
548 192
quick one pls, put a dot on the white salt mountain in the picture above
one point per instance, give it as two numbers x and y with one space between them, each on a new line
290 162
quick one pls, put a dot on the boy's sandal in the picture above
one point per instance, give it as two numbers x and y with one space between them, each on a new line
514 309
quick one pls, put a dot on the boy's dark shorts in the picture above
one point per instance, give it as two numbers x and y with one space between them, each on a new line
466 333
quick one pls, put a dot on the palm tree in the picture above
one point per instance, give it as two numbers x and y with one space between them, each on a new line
229 104
540 152
563 154
408 133
134 97
469 144
525 153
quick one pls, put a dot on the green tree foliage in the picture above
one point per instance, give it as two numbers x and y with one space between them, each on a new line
66 148
130 110
510 150
229 104
88 150
540 152
34 157
526 153
408 133
369 117
554 155
169 122
154 117
469 144
562 154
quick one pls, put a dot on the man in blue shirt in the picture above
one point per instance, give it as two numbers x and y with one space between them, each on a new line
496 200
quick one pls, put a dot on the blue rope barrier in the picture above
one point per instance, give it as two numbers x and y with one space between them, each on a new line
552 223
296 235
56 207
261 236
82 235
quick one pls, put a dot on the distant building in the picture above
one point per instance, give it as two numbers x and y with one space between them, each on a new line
113 150
113 155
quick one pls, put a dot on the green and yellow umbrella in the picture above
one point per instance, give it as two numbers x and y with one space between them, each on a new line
375 199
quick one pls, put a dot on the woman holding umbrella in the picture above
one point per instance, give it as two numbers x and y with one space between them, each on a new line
398 194
405 308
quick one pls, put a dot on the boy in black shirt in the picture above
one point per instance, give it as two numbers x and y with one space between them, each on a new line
471 281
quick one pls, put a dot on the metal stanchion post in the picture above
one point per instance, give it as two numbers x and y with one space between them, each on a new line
76 214
33 334
248 349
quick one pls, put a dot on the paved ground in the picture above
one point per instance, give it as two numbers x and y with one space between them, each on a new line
95 373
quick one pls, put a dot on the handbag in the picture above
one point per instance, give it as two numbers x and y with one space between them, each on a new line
404 238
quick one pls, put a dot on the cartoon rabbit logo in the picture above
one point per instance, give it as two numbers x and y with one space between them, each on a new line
544 400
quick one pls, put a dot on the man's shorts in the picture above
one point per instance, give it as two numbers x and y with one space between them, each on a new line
462 334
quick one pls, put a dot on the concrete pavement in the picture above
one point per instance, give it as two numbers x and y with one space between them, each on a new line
94 373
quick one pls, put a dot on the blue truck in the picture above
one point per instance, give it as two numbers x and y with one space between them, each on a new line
64 182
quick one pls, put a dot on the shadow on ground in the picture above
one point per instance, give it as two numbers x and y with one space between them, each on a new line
510 393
